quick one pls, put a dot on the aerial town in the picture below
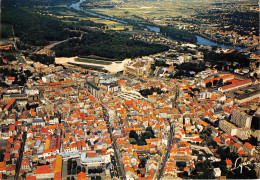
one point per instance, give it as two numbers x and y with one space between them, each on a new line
184 111
74 123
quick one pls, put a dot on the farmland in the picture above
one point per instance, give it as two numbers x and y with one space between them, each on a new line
148 10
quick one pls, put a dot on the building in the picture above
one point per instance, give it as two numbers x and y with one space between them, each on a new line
228 127
256 153
111 78
243 133
38 121
225 78
94 161
138 68
217 172
241 119
94 90
235 85
247 97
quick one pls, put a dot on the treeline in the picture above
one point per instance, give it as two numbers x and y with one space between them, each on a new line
33 28
147 92
178 35
241 22
32 3
43 58
114 45
184 69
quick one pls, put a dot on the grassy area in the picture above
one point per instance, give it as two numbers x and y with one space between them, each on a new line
98 58
87 66
94 61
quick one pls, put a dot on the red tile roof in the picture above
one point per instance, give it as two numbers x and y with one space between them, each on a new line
248 145
239 83
30 177
10 104
228 162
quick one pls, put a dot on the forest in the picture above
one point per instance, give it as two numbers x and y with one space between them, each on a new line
110 45
33 28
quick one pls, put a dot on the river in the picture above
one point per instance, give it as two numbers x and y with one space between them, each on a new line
200 40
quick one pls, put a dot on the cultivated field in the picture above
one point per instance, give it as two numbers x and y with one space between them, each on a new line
155 9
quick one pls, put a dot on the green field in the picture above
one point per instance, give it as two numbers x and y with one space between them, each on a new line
98 58
94 61
87 66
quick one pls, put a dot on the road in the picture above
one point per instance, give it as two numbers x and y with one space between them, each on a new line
165 158
50 46
20 159
120 166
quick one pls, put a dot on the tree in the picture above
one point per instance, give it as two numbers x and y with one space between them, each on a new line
2 155
195 152
209 84
208 131
78 169
74 164
99 170
70 161
215 82
132 141
142 163
220 82
83 169
133 134
150 129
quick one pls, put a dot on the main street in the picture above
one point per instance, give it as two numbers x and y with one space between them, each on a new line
19 160
120 165
166 155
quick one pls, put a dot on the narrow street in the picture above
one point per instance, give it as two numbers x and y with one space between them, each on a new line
170 139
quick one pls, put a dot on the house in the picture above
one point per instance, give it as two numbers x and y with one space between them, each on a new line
10 170
38 121
25 165
248 148
217 172
229 163
2 167
81 176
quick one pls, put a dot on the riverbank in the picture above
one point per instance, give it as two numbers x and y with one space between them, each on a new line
201 39
205 40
